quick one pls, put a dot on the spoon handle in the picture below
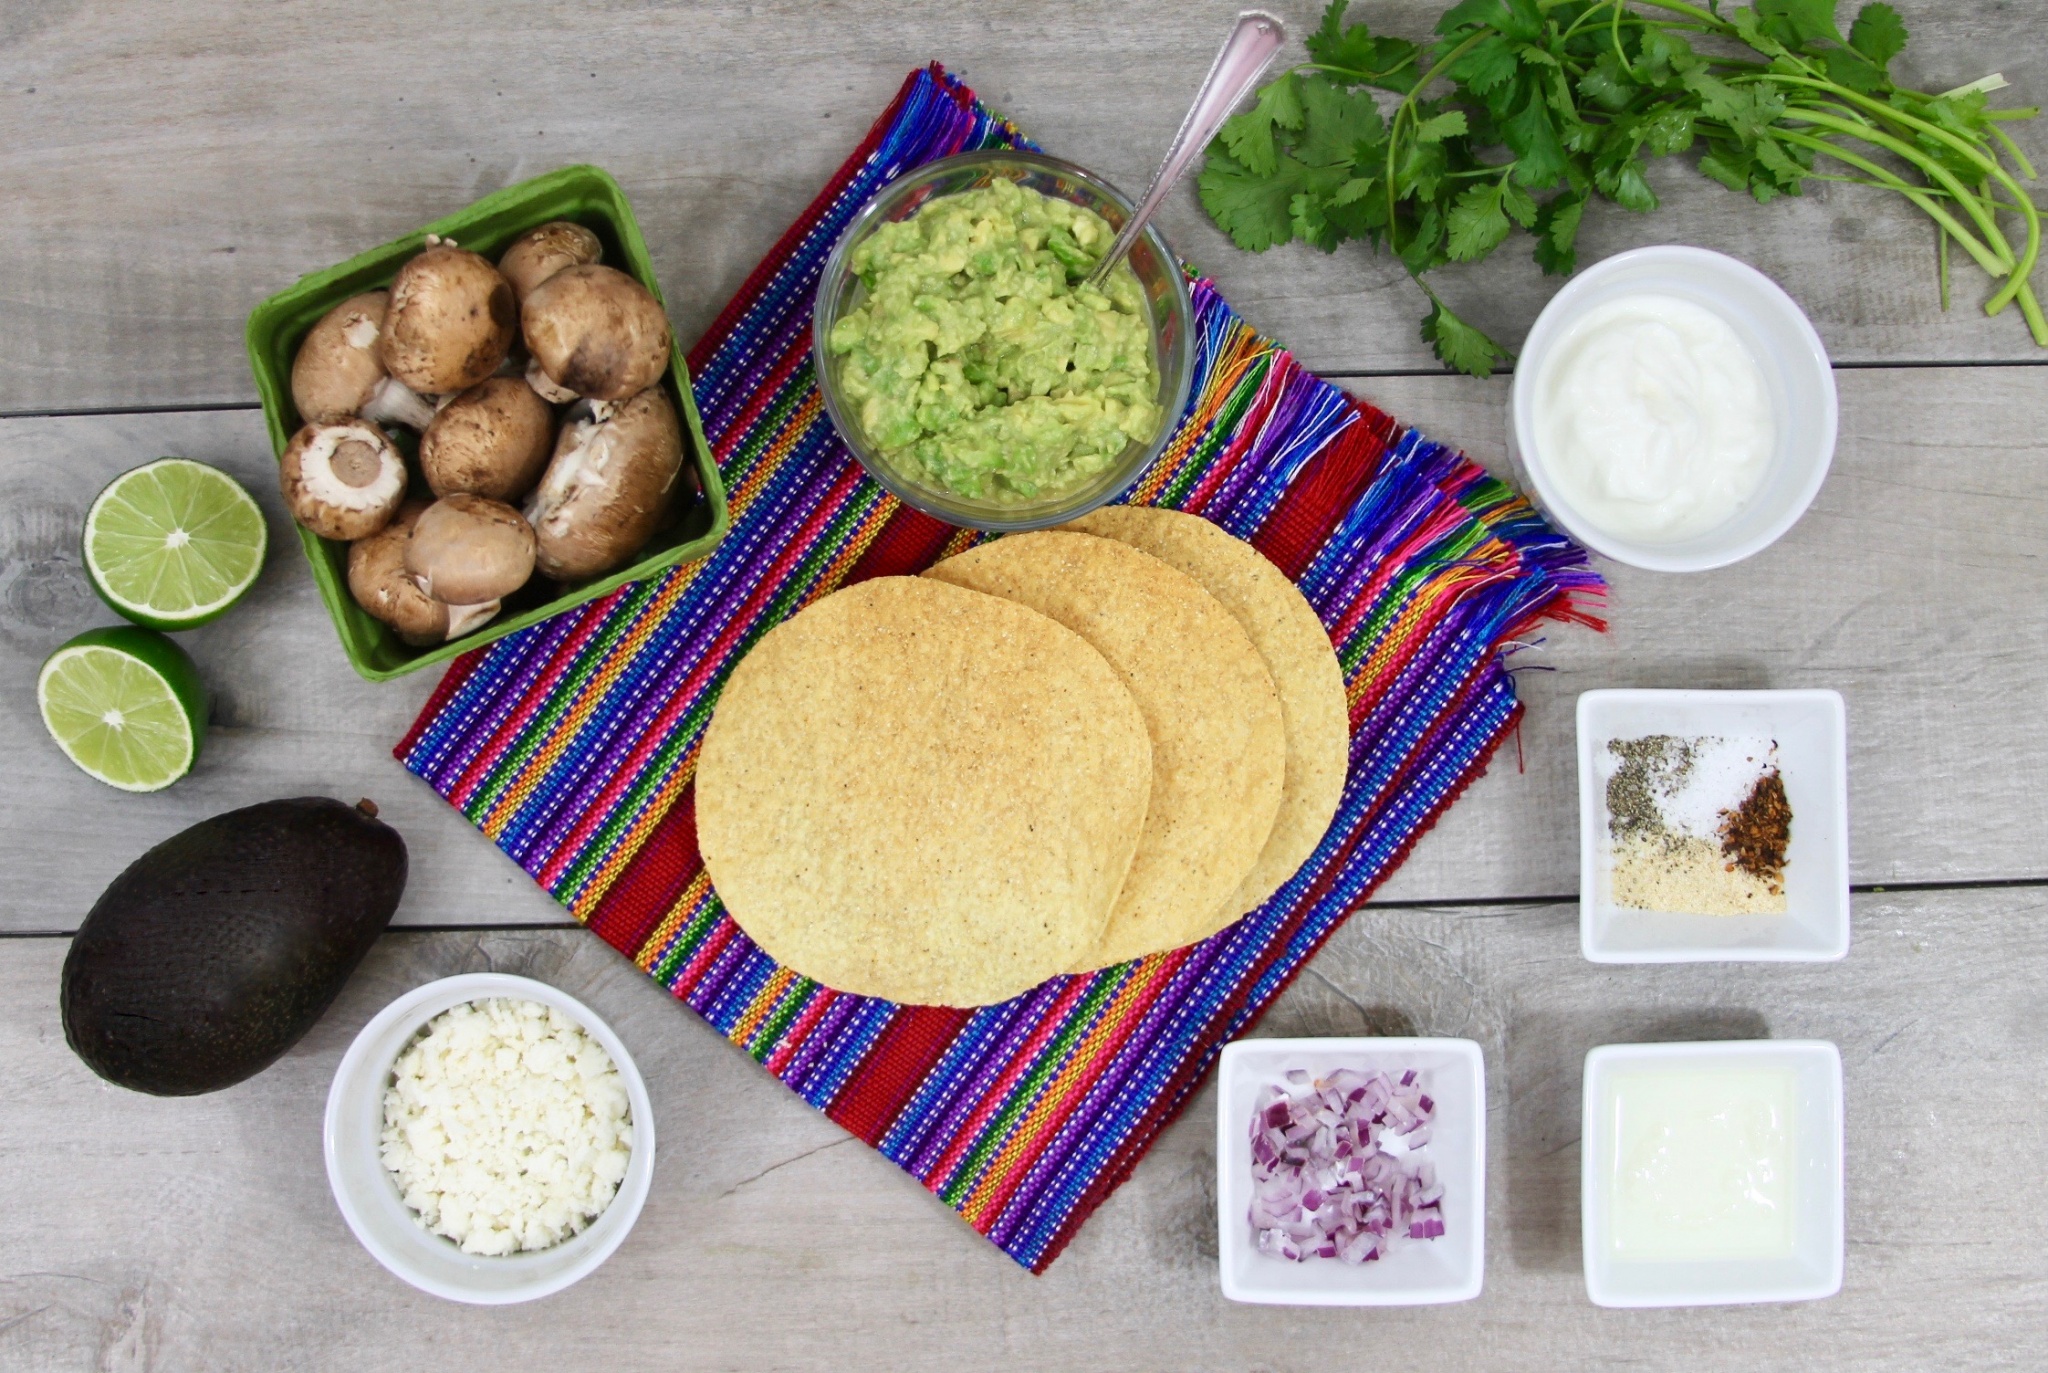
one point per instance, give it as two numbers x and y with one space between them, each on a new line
1239 63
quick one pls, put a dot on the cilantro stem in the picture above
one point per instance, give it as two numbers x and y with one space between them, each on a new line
2030 311
1406 109
2023 271
1928 167
1941 263
1921 197
2026 168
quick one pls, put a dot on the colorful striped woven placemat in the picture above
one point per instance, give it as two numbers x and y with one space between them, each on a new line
573 744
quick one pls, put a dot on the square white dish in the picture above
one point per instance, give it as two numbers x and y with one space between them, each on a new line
1449 1268
1814 1269
1811 730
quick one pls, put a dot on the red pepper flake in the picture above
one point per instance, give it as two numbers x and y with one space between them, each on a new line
1756 833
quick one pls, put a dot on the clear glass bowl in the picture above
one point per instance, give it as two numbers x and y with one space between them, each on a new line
1159 275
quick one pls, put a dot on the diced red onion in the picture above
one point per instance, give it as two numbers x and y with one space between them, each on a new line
1323 1185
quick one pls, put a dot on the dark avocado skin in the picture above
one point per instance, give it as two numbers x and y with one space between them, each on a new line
216 950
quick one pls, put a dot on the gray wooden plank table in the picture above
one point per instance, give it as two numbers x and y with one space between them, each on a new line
163 168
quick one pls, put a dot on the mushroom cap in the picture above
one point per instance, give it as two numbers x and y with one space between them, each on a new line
342 480
337 368
451 321
492 440
596 331
469 549
377 580
608 487
539 253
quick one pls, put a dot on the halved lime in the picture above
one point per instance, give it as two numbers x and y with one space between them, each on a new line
173 543
126 705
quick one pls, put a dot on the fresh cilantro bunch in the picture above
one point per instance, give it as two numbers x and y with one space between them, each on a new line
1521 111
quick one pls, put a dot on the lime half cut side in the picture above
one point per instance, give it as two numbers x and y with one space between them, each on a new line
173 543
126 705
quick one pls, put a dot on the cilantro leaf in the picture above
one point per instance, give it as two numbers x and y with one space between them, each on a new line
1623 183
1878 33
1478 224
1797 23
1459 344
1420 173
1358 56
1669 130
1557 232
1519 19
1747 111
1728 163
1607 85
1256 211
1249 136
1773 157
1335 122
1435 129
1663 57
1489 65
1540 158
1305 213
1358 188
1518 203
1851 69
1423 247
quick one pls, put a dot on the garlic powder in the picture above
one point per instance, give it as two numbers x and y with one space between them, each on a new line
506 1126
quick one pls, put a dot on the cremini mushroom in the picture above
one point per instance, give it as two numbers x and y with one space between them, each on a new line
342 480
467 549
491 440
378 581
544 385
597 332
451 320
608 487
539 253
337 372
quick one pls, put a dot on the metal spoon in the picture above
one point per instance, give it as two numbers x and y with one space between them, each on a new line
1239 63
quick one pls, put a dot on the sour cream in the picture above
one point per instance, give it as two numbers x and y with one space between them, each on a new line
1702 1164
1654 418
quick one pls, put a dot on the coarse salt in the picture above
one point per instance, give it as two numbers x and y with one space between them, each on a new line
506 1126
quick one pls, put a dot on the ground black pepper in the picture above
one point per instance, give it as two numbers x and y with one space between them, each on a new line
1756 833
1652 764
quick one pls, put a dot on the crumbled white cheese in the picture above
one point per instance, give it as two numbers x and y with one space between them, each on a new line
506 1126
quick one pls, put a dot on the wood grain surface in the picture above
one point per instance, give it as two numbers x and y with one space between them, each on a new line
1899 590
199 1233
165 167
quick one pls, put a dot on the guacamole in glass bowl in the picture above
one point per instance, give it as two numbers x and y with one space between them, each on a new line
968 364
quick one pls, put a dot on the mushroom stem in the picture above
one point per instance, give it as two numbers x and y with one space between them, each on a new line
393 402
463 618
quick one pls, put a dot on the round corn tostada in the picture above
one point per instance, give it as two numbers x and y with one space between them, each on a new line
1296 650
915 791
1218 739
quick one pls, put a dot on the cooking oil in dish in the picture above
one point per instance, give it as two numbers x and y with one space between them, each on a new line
1702 1163
1655 417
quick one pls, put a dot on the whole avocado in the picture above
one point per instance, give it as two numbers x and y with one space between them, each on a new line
216 950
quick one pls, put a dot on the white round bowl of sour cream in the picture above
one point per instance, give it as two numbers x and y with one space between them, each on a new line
1673 409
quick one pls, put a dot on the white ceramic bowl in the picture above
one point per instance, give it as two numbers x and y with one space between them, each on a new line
1786 348
1448 1268
369 1198
1811 729
1814 1268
